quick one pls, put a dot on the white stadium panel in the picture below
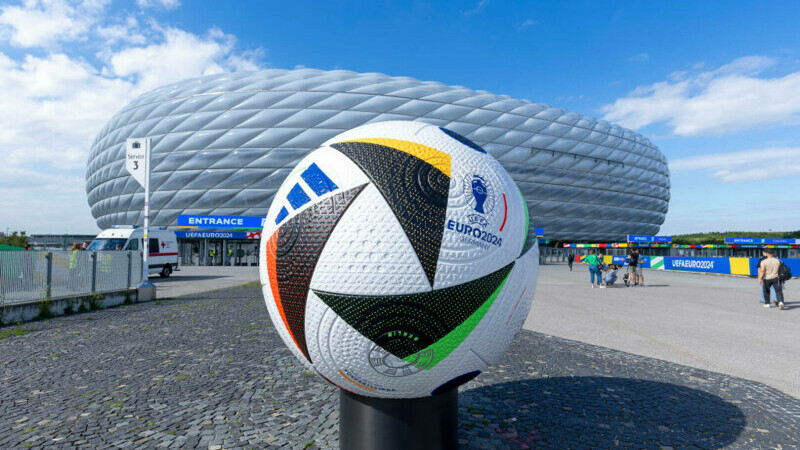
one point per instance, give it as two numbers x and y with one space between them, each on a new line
222 144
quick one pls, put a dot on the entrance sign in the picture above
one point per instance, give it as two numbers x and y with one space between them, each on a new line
220 222
735 240
137 162
643 238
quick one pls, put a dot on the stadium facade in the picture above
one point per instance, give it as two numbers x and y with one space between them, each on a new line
222 145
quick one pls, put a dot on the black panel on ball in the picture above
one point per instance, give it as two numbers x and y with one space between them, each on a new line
415 190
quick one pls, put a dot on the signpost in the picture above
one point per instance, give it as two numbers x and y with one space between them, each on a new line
137 163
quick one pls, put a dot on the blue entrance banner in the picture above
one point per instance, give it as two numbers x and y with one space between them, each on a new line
761 241
220 222
643 238
211 234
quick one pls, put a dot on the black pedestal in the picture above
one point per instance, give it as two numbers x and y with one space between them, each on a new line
427 423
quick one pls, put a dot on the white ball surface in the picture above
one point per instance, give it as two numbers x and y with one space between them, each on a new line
398 261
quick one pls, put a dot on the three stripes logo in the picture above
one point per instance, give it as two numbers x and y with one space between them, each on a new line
316 183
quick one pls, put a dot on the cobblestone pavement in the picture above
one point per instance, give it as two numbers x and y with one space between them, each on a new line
210 372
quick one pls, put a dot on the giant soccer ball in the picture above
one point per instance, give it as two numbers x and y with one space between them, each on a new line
398 261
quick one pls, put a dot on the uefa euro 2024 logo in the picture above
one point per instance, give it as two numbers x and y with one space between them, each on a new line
480 196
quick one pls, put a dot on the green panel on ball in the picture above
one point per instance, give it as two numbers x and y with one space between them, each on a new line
434 322
444 346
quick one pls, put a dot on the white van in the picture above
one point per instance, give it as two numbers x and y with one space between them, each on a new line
163 246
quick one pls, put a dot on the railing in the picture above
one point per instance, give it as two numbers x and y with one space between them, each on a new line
37 275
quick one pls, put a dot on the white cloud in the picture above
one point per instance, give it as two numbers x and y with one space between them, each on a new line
41 23
641 57
477 8
54 101
51 107
127 32
166 4
526 23
181 55
730 98
748 165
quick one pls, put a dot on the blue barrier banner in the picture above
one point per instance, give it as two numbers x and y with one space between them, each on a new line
695 264
220 222
539 232
793 264
211 234
761 241
642 238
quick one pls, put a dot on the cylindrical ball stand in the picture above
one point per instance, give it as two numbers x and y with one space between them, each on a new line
427 423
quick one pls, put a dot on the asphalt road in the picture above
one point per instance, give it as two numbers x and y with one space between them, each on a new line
194 280
706 321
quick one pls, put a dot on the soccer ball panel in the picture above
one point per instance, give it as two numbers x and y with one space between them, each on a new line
368 253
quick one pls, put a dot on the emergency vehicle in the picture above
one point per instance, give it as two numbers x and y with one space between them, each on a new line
163 246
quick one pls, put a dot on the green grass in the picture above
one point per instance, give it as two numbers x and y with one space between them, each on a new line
180 378
31 429
13 332
309 444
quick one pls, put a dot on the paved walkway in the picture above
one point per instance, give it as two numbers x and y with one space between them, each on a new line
196 279
209 371
707 321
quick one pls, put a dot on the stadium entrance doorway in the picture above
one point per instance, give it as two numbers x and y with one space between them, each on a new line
216 248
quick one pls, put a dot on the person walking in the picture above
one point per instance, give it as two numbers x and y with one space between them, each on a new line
73 256
768 277
594 269
570 260
765 300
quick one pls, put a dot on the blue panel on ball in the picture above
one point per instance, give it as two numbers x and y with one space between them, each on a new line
455 382
317 180
297 197
462 139
281 215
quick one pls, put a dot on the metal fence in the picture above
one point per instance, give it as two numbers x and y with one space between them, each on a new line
36 275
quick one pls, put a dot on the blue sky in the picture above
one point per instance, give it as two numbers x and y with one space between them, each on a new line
716 85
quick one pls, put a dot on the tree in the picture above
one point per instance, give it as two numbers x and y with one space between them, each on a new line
16 238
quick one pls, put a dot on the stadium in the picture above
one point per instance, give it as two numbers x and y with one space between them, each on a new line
222 145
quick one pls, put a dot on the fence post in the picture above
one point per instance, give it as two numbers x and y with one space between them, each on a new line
94 271
130 262
48 289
